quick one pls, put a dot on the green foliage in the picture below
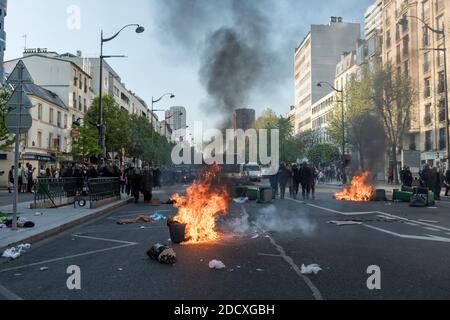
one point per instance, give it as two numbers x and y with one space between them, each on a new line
86 145
6 139
323 154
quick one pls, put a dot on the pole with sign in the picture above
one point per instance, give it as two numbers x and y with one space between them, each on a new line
18 121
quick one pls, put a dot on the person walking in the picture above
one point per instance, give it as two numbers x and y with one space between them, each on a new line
11 179
136 183
307 180
437 183
295 180
407 177
274 185
147 184
30 183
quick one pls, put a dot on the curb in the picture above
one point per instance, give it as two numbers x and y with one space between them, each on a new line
59 229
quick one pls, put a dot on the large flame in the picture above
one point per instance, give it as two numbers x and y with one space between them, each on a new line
204 200
358 190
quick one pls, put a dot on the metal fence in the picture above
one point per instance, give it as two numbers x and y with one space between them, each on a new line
61 191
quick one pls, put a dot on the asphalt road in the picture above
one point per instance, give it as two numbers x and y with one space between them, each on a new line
262 261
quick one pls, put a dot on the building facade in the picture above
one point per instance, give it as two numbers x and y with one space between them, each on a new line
315 61
373 19
3 11
417 52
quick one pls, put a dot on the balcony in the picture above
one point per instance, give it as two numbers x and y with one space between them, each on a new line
427 119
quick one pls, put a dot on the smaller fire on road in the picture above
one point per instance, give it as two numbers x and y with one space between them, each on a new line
358 191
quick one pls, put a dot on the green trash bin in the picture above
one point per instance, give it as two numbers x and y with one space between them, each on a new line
252 193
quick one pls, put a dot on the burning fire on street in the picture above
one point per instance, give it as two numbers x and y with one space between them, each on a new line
206 199
358 191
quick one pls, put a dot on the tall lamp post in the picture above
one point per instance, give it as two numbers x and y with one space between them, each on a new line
168 118
403 22
320 85
156 101
100 126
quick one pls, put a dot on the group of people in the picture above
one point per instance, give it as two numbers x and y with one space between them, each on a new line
294 176
25 178
137 181
430 178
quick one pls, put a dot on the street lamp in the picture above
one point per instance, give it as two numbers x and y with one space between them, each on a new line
320 85
101 129
156 101
404 21
168 118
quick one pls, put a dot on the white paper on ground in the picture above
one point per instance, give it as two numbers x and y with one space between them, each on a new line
312 268
216 264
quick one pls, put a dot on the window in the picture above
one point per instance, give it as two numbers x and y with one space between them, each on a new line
50 116
397 32
81 83
426 62
442 139
441 84
439 5
398 57
74 100
426 37
50 141
406 68
80 107
428 141
405 46
426 10
388 39
85 85
405 26
440 56
412 142
441 110
58 119
58 143
39 139
440 25
39 111
85 106
427 88
65 121
75 78
427 118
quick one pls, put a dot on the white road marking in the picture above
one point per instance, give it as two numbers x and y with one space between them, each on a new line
8 294
431 229
332 210
316 293
405 236
411 224
124 245
269 255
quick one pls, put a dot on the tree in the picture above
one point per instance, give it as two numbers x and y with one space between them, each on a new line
86 145
117 123
323 154
392 95
6 139
362 124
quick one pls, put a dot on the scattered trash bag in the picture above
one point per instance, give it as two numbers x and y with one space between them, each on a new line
139 219
177 231
28 224
157 216
16 252
312 268
241 200
216 264
162 254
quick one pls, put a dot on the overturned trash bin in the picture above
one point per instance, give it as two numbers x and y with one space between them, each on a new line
162 254
177 231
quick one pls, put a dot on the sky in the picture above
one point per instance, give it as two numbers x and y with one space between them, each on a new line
178 51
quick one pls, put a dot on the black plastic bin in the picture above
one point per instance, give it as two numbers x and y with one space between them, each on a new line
177 231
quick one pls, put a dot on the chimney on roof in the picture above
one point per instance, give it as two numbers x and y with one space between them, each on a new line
79 53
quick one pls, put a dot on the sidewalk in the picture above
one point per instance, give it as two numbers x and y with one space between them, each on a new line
51 222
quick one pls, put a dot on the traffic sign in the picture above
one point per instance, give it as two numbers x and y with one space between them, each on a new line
19 75
18 121
19 98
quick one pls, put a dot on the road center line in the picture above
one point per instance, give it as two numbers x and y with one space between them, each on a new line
316 293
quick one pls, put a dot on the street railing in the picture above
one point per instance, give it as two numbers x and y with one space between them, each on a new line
64 191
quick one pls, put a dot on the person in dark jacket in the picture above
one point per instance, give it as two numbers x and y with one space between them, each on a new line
447 182
136 183
283 178
307 180
11 179
437 183
274 185
147 184
407 177
296 179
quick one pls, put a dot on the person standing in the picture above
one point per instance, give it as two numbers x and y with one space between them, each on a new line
283 178
30 178
295 180
407 177
136 184
11 179
147 184
307 180
274 185
390 175
447 182
437 183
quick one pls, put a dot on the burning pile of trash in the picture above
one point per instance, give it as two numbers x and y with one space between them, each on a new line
358 191
204 201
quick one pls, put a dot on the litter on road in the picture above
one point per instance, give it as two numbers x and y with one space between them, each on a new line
157 216
241 200
43 268
312 268
345 223
16 252
260 270
255 236
216 264
140 219
162 254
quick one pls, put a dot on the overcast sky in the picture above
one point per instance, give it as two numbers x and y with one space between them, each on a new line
168 57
